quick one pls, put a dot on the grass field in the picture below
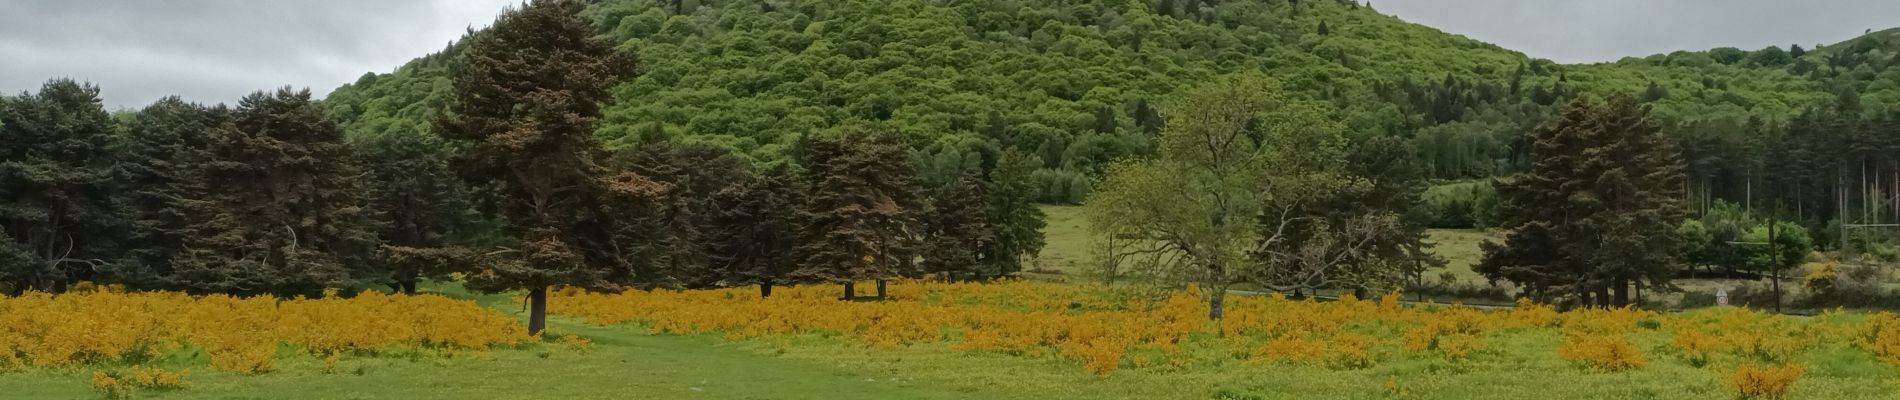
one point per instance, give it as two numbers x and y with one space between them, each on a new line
626 361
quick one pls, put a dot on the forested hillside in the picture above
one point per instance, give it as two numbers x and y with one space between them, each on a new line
1074 81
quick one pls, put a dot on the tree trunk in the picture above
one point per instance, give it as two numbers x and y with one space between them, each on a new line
765 288
1214 301
880 289
407 286
850 291
1603 297
1620 292
537 310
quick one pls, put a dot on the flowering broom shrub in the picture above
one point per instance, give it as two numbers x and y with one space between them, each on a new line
1098 328
239 334
1754 381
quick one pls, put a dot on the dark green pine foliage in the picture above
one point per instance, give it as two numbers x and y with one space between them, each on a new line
280 214
164 150
1597 214
55 187
1015 221
757 228
957 230
1534 207
859 220
1395 184
527 98
420 208
685 225
1638 179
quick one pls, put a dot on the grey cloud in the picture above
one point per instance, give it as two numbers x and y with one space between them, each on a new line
1606 30
216 51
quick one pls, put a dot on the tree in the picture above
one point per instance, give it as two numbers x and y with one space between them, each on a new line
527 95
282 215
163 151
55 186
1323 30
860 218
1236 151
1771 56
957 229
683 240
1796 51
1015 222
421 209
1695 240
1597 212
759 230
1775 249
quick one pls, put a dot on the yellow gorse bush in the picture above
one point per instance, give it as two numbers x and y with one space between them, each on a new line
239 334
1103 330
1754 381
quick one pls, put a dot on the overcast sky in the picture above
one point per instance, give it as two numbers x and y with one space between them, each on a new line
1581 31
218 50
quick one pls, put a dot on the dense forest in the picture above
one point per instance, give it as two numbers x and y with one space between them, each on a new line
703 143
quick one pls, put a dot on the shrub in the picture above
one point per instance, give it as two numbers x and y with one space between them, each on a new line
121 384
1754 381
1602 352
239 334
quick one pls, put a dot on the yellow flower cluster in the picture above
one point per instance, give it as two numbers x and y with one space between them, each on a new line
1104 329
1753 381
1702 336
239 334
118 385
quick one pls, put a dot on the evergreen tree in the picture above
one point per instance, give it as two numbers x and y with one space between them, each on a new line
163 153
685 250
1015 221
957 229
527 97
55 186
1323 30
860 217
1598 212
281 215
421 209
757 227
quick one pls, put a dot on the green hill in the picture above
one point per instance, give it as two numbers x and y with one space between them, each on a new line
1077 80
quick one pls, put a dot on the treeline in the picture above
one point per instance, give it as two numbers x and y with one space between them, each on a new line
508 190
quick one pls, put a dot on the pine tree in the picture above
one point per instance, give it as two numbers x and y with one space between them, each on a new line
163 151
1598 212
685 250
55 186
757 227
527 97
281 215
421 209
1323 30
1015 221
957 229
860 217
